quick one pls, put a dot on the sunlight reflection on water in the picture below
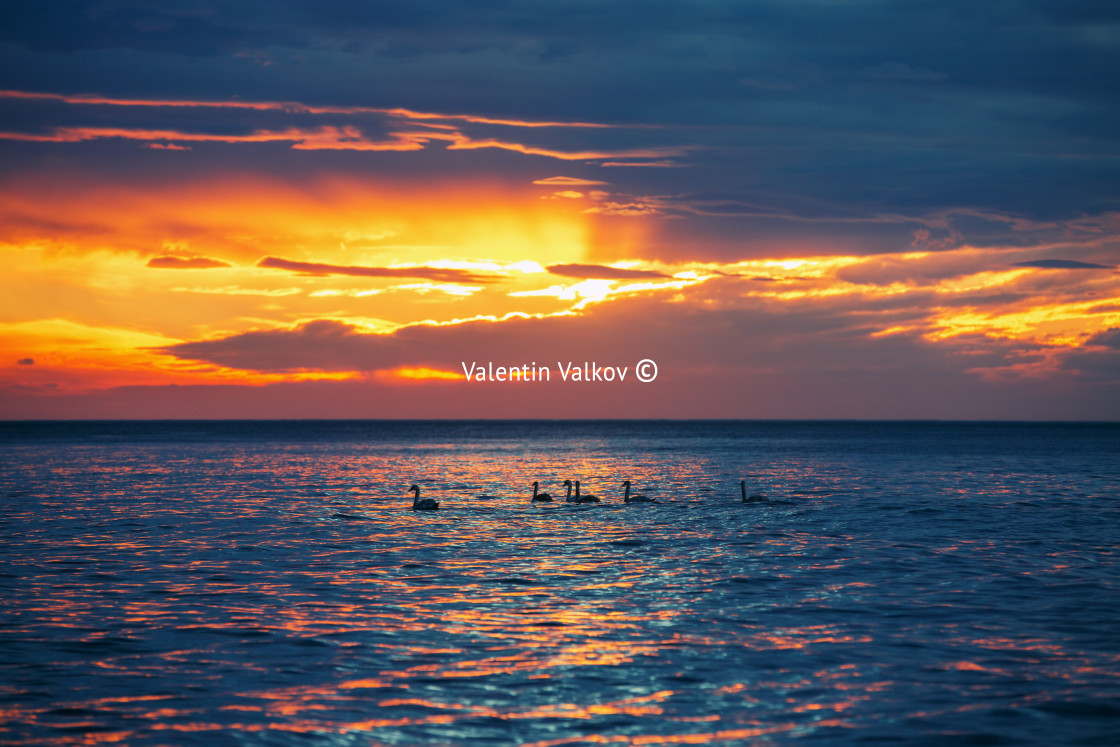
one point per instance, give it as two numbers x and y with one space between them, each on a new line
165 590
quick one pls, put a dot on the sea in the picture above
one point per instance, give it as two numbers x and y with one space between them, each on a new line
244 583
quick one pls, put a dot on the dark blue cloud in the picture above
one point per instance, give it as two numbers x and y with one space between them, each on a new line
799 108
1062 264
1109 338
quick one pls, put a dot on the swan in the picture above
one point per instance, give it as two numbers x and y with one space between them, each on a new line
635 498
428 504
755 498
568 485
540 496
586 497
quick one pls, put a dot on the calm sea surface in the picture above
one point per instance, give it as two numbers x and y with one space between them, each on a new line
267 583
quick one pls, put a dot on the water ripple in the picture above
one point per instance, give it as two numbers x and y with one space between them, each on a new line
158 591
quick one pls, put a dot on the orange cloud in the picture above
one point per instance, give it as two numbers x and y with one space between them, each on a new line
417 375
320 138
465 143
567 181
430 273
284 106
325 137
168 262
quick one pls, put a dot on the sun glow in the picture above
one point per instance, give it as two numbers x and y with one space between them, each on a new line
418 374
61 356
95 295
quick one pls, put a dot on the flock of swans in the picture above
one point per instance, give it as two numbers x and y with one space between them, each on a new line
431 504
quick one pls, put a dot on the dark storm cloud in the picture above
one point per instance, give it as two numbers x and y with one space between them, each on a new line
858 108
435 274
1109 338
744 58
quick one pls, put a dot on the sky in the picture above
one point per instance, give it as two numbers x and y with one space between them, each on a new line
857 209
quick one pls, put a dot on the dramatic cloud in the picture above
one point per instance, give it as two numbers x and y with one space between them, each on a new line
799 208
707 359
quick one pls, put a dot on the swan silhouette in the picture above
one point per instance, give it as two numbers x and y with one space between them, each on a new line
427 504
569 498
540 496
635 498
755 498
586 497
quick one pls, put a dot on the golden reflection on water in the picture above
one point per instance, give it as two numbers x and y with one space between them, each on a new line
722 735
